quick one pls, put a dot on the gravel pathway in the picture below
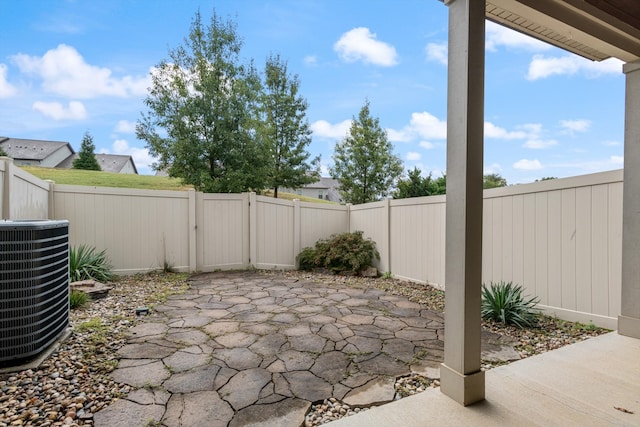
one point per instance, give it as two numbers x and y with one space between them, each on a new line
74 383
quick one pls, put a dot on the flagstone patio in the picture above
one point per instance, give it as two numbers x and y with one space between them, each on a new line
241 348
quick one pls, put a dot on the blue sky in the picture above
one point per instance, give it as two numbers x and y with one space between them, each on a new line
67 67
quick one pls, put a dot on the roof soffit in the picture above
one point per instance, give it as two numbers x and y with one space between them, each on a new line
574 25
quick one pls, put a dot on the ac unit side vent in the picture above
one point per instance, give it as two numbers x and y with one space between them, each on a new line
34 287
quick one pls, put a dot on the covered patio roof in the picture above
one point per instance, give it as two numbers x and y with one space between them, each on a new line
595 29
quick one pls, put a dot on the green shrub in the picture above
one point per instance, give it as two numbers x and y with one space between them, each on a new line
85 263
77 299
504 302
341 253
307 259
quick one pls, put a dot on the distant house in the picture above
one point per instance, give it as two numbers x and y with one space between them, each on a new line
58 154
115 163
325 188
33 152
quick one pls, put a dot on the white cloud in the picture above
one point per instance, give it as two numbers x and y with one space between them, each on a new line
612 143
403 135
499 35
64 72
55 110
310 60
141 156
572 126
492 168
422 125
324 129
528 165
125 126
538 144
413 156
542 67
360 44
427 145
437 52
428 126
493 131
6 89
617 160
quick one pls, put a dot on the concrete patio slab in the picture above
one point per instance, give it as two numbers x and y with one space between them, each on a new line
592 383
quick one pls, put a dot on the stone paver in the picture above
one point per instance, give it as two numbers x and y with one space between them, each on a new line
246 349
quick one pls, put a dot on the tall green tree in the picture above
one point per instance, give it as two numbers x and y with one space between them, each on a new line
493 180
86 157
364 163
285 130
203 110
415 185
438 185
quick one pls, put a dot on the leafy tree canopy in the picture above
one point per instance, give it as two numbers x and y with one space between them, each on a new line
285 130
86 157
203 110
546 178
3 153
364 163
415 185
493 180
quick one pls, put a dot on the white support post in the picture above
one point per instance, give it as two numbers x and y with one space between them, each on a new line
460 375
253 229
297 231
193 227
6 190
51 209
629 319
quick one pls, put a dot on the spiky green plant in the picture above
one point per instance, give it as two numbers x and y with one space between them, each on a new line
86 263
77 299
505 302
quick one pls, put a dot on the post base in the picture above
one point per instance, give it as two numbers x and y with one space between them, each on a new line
464 389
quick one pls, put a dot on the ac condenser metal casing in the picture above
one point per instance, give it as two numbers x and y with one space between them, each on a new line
34 287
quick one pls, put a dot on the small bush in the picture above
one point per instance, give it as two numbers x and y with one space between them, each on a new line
85 263
307 259
77 299
342 253
504 302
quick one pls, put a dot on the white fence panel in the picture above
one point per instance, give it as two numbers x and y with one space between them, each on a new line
373 220
561 240
141 230
223 231
22 195
418 239
319 221
274 234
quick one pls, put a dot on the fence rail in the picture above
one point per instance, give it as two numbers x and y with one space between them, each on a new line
560 239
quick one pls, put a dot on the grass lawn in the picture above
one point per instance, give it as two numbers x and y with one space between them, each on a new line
119 180
106 179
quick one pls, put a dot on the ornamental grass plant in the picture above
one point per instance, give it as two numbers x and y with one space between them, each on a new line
86 263
505 302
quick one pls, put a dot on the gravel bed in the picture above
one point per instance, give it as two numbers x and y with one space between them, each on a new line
73 383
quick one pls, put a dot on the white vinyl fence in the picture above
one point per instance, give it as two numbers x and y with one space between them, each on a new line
560 239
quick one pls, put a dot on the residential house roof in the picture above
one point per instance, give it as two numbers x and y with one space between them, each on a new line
323 183
108 162
39 150
31 149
